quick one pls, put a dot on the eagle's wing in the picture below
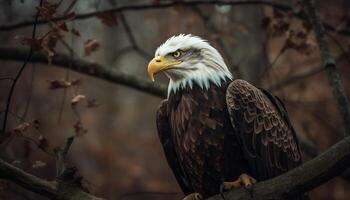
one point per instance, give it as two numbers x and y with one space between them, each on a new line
263 130
164 133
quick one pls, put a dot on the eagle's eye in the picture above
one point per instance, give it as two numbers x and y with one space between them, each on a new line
177 54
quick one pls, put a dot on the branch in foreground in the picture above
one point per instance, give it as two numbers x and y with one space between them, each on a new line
330 65
51 189
301 179
86 67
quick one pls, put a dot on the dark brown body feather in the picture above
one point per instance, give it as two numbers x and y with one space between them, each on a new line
211 136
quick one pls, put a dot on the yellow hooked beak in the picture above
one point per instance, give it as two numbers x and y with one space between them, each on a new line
159 63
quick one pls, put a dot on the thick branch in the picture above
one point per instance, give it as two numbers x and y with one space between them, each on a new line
330 65
301 179
87 67
50 189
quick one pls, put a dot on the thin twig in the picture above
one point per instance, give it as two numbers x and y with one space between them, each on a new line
226 52
302 75
132 39
29 99
19 73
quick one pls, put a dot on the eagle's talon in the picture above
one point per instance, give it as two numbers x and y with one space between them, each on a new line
243 180
193 196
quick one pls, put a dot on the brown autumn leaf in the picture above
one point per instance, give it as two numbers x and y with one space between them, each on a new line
62 26
300 42
35 43
108 18
92 103
90 46
76 82
79 129
279 28
21 128
47 10
38 164
59 84
75 100
75 32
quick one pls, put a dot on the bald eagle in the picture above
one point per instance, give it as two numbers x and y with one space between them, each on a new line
216 130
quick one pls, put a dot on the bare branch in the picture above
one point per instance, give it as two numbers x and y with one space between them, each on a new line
301 179
330 65
302 75
132 39
87 67
139 7
50 189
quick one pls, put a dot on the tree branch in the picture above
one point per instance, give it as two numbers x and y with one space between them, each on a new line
301 179
87 67
50 189
330 65
138 7
302 75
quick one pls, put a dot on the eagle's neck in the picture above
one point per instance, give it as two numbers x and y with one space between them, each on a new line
203 79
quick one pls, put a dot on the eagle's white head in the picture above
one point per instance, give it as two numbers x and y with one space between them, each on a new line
188 60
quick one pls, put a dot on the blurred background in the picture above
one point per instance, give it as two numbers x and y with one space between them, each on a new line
117 149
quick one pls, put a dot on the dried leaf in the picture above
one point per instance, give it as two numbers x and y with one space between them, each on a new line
38 164
279 28
20 129
79 129
62 26
90 46
75 32
59 84
76 82
108 18
35 43
76 99
47 10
